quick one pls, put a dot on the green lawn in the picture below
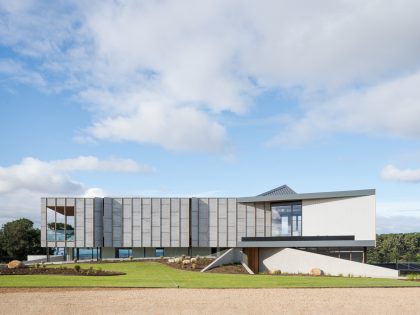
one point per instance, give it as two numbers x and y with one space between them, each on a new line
151 275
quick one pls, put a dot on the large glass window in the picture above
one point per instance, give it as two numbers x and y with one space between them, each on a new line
159 252
286 219
124 252
60 223
51 224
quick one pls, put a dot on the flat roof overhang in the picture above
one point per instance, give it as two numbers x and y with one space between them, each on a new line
321 195
305 241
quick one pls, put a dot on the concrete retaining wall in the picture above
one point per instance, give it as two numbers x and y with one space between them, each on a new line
298 261
231 256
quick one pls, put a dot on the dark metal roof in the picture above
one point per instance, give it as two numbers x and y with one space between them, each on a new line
279 191
321 195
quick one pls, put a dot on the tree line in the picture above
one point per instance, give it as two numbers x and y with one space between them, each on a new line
393 248
18 239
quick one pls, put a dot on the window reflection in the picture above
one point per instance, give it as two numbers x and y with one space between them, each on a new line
286 219
60 223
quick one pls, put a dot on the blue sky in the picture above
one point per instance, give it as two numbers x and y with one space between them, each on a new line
210 99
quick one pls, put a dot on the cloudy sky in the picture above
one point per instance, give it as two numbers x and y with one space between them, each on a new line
210 98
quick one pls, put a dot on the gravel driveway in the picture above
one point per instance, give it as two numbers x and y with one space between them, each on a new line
210 301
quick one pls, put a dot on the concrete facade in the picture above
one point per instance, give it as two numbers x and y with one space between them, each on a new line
201 226
297 261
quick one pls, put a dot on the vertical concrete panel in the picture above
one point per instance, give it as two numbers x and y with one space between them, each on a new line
99 222
117 224
241 221
222 222
185 222
232 222
80 222
260 219
175 222
166 221
127 223
147 222
89 222
250 220
50 201
194 222
267 207
213 222
156 223
108 222
203 222
137 222
43 222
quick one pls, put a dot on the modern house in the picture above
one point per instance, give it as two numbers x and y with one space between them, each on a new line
279 229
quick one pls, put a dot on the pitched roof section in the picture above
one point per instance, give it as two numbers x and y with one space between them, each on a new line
279 191
321 195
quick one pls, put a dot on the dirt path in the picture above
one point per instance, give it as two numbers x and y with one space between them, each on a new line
210 301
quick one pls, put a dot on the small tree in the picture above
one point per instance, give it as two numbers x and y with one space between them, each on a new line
18 239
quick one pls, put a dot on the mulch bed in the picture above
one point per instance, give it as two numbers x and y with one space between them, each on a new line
233 269
200 265
59 271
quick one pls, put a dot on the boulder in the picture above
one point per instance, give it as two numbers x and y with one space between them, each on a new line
193 260
316 272
186 262
14 264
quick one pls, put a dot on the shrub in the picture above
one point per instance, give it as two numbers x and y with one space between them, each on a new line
161 257
340 275
412 277
130 258
77 268
350 275
37 265
275 272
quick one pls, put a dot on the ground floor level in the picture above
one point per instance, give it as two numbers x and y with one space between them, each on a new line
357 254
225 301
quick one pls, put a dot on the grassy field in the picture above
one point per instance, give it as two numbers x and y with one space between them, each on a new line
156 275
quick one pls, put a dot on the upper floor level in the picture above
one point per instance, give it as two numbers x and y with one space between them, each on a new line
273 219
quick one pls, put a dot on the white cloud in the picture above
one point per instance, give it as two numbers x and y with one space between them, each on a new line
208 57
12 71
22 185
174 128
52 176
390 172
390 108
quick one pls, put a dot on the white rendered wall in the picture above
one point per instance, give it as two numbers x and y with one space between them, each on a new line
298 261
340 216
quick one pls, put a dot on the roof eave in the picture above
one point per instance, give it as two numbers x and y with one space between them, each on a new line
320 195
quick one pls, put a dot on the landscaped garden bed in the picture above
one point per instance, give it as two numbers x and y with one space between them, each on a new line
63 271
185 263
232 269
